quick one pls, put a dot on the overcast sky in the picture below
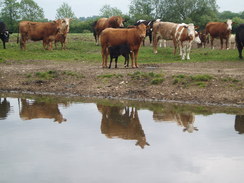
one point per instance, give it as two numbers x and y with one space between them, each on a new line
86 8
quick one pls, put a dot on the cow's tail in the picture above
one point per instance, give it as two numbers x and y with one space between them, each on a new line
18 36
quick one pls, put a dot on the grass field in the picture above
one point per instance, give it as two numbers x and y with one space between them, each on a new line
81 47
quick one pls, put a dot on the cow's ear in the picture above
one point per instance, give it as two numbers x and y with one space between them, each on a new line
234 23
196 27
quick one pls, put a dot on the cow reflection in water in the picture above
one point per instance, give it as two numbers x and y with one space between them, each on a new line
4 108
239 124
31 110
123 123
184 119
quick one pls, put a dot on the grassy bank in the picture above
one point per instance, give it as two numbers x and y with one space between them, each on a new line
81 47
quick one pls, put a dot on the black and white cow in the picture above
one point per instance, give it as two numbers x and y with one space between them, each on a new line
240 39
149 24
4 34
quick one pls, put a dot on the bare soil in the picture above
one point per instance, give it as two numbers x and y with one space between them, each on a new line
226 86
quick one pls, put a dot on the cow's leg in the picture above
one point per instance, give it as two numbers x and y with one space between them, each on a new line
150 38
181 47
132 59
116 62
175 45
221 43
4 46
183 51
127 59
155 43
104 52
227 44
136 55
240 47
111 60
143 42
189 44
212 39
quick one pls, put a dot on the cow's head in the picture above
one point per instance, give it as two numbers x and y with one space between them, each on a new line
229 24
117 21
197 38
5 35
141 29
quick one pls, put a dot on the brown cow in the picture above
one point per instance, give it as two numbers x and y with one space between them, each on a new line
103 23
221 30
122 123
114 37
37 31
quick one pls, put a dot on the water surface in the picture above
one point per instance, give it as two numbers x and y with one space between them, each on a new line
47 140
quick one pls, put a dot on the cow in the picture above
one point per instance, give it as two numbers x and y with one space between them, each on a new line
221 30
59 37
183 119
103 23
114 37
149 24
116 51
204 39
4 34
239 124
232 41
37 31
182 35
122 122
240 39
4 108
35 109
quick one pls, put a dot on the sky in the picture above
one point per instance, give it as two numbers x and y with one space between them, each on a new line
86 8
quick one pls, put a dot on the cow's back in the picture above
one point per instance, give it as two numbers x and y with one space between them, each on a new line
240 34
215 29
166 30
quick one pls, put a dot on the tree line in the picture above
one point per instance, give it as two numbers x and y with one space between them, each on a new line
198 12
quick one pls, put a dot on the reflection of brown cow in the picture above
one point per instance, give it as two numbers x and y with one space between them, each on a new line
239 124
184 119
123 123
37 31
4 108
114 37
32 110
103 23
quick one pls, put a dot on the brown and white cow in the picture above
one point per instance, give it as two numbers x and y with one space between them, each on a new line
182 35
204 39
114 37
37 31
221 30
103 23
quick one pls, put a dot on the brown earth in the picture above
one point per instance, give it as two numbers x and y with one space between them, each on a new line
225 87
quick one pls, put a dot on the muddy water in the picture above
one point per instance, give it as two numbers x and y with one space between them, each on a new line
69 141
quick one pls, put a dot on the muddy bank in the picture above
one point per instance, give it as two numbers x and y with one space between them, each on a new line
208 83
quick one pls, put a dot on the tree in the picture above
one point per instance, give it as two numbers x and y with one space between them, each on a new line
141 9
29 10
65 11
10 14
108 11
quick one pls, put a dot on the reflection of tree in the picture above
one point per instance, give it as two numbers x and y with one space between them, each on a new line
32 110
184 119
4 108
122 122
239 124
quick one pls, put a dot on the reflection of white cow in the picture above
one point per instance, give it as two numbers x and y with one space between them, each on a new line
232 41
184 119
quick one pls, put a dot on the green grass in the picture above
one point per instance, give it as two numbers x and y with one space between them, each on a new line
81 47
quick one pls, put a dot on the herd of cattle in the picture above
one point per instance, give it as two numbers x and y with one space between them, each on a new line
117 40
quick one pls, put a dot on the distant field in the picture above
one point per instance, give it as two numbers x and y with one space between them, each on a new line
81 47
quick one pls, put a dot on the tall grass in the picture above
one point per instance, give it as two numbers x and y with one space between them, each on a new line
81 47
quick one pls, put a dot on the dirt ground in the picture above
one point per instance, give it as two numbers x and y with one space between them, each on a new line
225 86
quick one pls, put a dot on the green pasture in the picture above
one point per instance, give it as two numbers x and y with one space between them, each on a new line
81 47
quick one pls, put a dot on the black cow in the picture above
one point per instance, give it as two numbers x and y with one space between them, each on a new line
240 39
4 34
149 25
116 51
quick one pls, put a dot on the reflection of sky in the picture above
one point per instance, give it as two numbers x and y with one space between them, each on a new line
75 151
